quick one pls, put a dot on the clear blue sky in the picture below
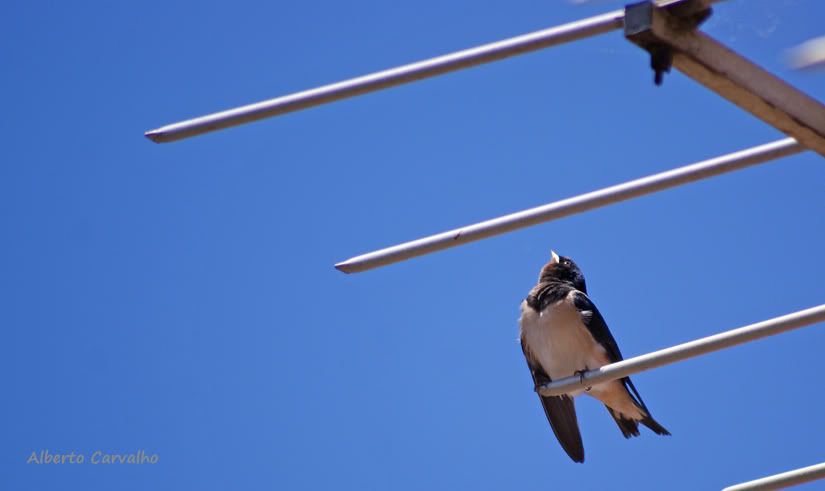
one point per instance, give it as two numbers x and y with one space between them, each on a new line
180 299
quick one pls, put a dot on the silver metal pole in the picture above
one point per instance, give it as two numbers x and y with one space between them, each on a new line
784 480
572 206
810 54
684 351
395 76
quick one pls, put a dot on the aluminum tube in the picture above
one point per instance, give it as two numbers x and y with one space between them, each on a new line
395 76
572 206
684 351
779 481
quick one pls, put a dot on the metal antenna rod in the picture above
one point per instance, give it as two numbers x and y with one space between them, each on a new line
778 481
810 54
458 60
572 206
625 368
395 76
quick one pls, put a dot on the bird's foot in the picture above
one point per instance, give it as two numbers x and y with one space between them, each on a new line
581 373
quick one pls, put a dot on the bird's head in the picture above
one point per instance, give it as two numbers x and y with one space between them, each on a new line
561 268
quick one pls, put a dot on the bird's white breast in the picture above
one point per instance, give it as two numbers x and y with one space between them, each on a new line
559 340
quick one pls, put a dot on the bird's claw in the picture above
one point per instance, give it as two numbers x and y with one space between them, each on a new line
581 373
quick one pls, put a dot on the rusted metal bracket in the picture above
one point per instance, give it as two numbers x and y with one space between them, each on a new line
669 33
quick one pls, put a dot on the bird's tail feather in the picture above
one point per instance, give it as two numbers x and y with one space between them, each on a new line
648 419
654 426
561 413
630 427
627 426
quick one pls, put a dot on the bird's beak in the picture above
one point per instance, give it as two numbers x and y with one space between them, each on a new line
554 258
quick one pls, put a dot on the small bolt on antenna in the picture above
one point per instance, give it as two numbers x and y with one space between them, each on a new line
645 19
661 59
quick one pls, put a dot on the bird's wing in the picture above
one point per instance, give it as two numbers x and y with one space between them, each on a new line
595 323
560 410
593 320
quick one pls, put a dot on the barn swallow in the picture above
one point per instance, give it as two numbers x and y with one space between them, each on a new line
563 334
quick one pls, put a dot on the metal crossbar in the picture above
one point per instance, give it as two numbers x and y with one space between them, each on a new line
783 480
467 58
684 351
458 60
571 206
